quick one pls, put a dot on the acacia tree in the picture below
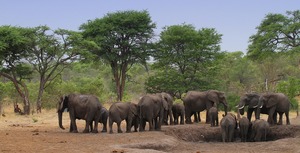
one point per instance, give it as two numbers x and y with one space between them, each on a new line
276 33
13 49
50 52
183 58
123 39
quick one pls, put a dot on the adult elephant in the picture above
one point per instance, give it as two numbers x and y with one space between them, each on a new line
85 107
120 111
151 109
196 101
275 103
250 100
168 112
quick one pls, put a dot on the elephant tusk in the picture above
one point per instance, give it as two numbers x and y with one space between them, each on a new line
261 106
242 107
255 106
237 106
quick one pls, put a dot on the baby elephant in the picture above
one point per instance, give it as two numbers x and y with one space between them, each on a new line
213 116
178 111
244 124
120 111
228 125
103 118
259 130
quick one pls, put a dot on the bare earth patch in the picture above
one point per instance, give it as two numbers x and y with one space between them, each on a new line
40 133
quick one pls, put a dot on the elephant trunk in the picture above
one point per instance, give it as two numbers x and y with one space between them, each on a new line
60 120
225 109
241 111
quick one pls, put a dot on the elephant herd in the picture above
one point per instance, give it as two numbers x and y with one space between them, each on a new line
158 109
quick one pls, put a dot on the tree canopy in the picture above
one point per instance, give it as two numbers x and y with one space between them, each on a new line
123 39
276 33
183 58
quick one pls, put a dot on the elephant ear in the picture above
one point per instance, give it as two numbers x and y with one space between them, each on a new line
213 96
63 102
164 101
168 98
133 108
271 100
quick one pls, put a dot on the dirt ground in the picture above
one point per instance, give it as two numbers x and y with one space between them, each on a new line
40 133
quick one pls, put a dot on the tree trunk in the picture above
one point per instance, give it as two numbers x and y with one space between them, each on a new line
40 95
23 94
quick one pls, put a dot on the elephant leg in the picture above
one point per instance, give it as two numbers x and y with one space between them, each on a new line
104 129
110 126
249 114
151 128
181 119
175 119
207 118
73 127
155 123
91 126
87 124
165 118
275 118
128 125
95 130
280 118
287 118
223 135
231 134
119 127
171 117
143 125
270 117
196 120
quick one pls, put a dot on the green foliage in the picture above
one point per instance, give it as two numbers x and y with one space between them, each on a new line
276 33
123 39
291 88
232 100
237 73
184 60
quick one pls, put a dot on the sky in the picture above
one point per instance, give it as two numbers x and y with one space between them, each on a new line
236 20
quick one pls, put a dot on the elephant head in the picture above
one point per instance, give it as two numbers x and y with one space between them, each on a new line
250 100
164 100
217 97
267 99
62 105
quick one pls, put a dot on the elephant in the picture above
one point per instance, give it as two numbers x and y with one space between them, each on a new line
251 100
168 113
213 116
259 130
103 118
80 106
228 125
196 101
178 111
120 111
244 124
275 103
151 108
